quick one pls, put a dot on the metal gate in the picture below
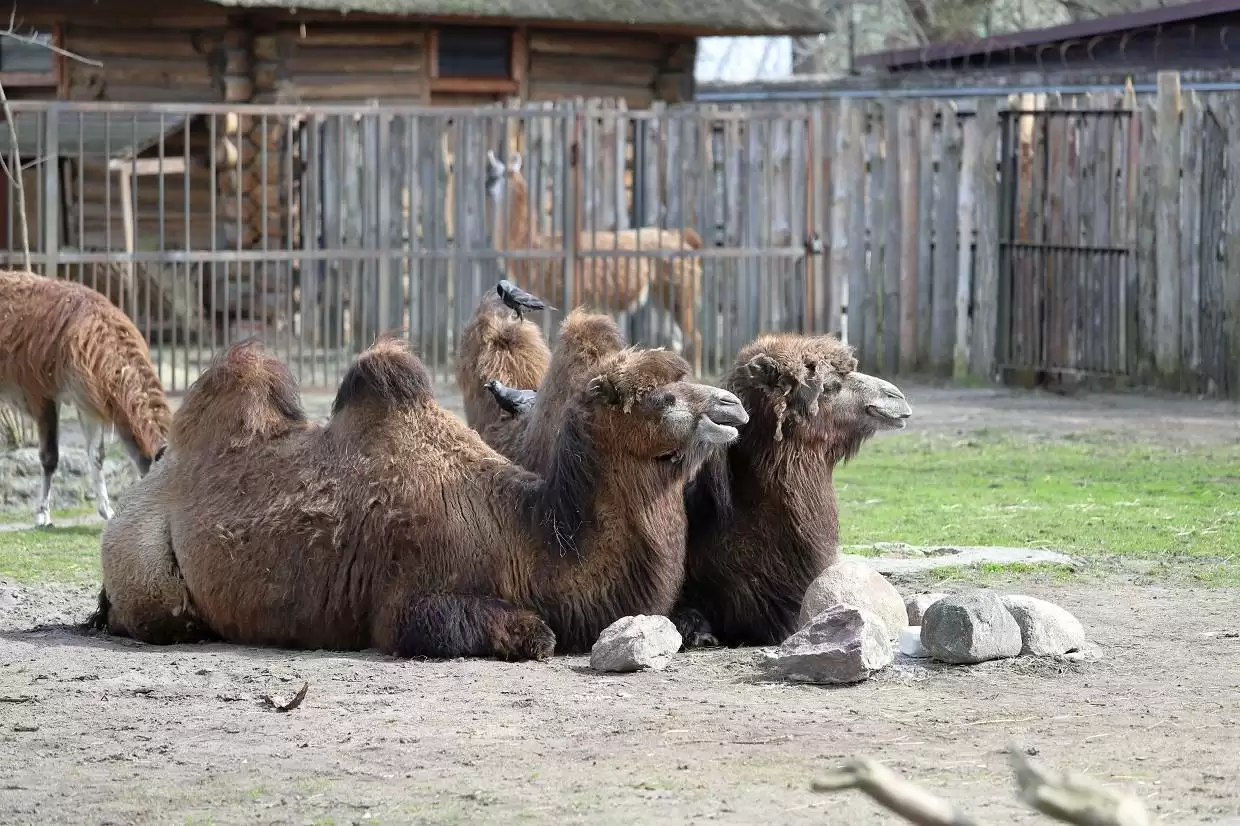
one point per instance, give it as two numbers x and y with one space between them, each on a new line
1066 240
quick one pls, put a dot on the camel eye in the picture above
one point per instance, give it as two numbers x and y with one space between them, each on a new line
812 367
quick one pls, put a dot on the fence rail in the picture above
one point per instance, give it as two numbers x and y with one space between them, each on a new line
1092 234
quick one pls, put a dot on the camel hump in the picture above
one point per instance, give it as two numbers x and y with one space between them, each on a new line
692 239
388 373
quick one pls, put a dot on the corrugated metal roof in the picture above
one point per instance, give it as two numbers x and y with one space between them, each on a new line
724 16
94 134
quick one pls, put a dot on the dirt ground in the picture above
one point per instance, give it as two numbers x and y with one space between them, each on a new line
101 731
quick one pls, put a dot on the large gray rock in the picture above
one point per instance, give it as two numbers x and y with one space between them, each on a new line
1045 628
635 644
855 583
917 604
843 644
970 628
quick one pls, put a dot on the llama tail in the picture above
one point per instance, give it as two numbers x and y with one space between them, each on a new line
496 345
98 620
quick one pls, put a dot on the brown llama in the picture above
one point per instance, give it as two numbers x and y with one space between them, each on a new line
395 527
619 285
64 342
763 517
499 346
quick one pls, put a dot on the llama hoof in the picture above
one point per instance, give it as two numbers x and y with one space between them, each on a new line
531 638
42 518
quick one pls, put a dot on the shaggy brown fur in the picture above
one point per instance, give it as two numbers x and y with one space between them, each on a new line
395 527
606 283
763 519
61 341
585 340
497 345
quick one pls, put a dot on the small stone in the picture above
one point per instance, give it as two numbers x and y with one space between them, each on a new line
917 604
970 628
910 642
635 643
8 598
855 583
843 644
1045 628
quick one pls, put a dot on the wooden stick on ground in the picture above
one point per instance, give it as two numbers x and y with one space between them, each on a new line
888 789
1074 798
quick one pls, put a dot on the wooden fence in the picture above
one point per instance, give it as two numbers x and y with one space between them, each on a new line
997 237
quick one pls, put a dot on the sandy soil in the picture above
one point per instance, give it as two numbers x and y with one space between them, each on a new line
101 731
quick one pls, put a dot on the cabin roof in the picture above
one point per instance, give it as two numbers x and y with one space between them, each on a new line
694 16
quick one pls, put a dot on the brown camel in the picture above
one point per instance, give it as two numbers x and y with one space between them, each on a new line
763 519
61 341
395 527
498 345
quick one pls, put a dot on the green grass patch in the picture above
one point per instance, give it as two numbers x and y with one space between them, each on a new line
1098 495
68 554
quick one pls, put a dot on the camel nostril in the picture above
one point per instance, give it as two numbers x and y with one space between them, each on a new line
727 409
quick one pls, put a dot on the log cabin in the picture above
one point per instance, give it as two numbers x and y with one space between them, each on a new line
307 53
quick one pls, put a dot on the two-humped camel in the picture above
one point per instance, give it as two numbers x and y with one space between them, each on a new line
394 526
763 518
64 342
615 284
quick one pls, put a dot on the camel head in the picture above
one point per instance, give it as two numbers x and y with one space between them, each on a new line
497 173
812 389
245 395
641 405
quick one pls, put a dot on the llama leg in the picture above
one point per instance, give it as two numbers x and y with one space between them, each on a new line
48 422
95 447
459 625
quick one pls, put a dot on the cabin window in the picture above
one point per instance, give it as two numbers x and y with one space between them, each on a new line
475 52
28 62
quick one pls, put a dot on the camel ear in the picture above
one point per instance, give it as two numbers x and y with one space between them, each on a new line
603 389
762 368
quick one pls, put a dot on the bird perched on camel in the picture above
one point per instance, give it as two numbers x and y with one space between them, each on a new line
763 516
394 526
498 347
64 342
512 401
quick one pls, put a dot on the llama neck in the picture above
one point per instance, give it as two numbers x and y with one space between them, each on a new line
517 230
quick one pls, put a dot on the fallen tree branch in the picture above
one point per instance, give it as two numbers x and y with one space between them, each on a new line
901 796
1068 798
1074 798
276 705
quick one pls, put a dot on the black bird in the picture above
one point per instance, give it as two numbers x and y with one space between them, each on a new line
516 298
510 399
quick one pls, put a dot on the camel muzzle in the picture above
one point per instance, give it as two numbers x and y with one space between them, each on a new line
722 419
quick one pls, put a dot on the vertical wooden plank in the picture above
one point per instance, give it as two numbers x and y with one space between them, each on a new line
1231 267
955 200
909 124
818 277
1147 248
986 281
1190 242
966 205
928 152
1130 286
875 191
849 205
892 242
1167 227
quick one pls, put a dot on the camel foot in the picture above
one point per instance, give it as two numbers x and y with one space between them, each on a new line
105 511
694 629
530 638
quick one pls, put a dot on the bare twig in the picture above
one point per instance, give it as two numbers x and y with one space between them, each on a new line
276 705
51 47
17 178
1074 798
888 789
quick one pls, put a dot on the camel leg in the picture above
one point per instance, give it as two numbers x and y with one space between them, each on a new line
96 445
444 626
47 419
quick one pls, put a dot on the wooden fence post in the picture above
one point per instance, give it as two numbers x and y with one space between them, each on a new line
1231 269
1167 230
890 324
986 281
